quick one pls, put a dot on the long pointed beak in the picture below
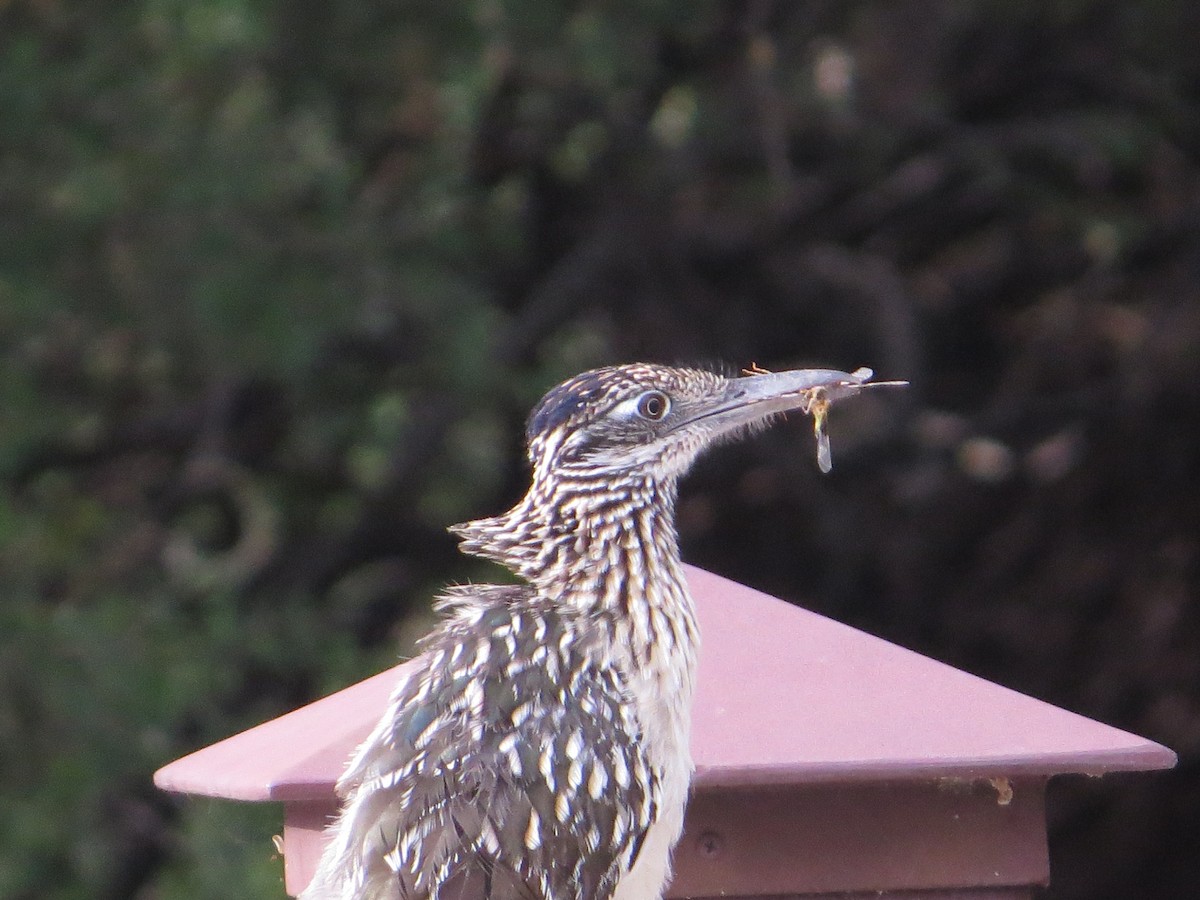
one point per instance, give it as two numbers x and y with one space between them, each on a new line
752 399
781 391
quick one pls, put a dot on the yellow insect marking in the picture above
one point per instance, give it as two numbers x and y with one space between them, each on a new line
816 402
818 405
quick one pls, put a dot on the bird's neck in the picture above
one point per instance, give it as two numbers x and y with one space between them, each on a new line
609 553
608 549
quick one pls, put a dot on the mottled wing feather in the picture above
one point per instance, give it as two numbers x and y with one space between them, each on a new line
512 766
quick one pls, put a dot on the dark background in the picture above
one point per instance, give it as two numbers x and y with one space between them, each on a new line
279 282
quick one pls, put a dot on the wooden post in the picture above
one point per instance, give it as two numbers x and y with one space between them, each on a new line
828 762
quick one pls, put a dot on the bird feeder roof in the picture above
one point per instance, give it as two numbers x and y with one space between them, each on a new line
784 696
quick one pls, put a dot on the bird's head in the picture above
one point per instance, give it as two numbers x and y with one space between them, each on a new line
614 439
651 421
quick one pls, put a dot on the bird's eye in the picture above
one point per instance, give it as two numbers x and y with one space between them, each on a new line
653 405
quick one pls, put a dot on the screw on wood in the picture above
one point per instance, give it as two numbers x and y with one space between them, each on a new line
709 845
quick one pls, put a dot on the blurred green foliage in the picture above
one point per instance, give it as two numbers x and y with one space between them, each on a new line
278 282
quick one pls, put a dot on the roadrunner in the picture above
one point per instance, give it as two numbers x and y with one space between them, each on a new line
538 749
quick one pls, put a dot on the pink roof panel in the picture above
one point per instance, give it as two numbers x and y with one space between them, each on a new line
784 696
